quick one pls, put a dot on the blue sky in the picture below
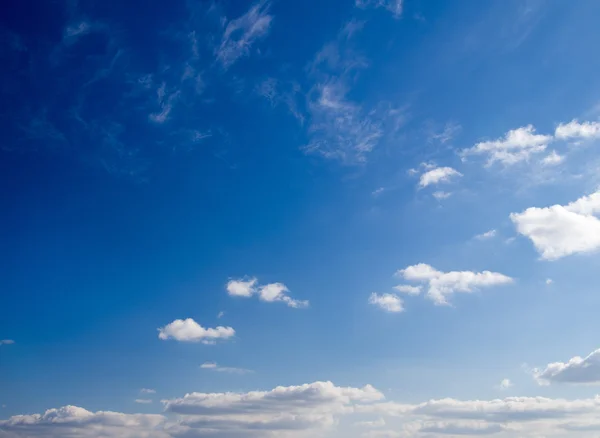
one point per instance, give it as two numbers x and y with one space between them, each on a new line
370 218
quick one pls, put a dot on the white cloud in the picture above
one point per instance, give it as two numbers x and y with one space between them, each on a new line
559 231
505 384
408 289
443 284
166 101
293 410
393 6
274 292
240 34
438 175
76 422
380 422
549 281
148 391
220 315
517 145
189 330
577 370
577 130
387 302
439 195
242 288
143 401
215 367
487 235
378 191
552 159
6 342
447 134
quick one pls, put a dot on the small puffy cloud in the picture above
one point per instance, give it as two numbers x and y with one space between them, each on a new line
562 230
505 384
439 195
408 289
576 370
220 315
552 159
76 422
549 281
440 285
242 288
240 34
388 302
215 367
487 235
143 401
516 146
188 330
148 391
438 175
270 293
576 130
274 292
6 342
392 6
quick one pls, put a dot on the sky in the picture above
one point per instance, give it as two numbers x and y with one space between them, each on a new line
337 219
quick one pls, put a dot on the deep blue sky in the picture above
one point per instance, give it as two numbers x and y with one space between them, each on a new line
152 152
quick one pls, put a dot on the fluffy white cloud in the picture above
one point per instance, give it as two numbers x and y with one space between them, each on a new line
487 235
270 293
438 175
6 342
393 6
505 384
578 370
576 130
517 145
443 284
215 367
240 34
559 231
75 422
552 159
387 302
188 330
242 288
279 292
293 410
408 289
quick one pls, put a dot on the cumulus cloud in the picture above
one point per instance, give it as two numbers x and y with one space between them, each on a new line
189 330
292 409
392 6
441 285
438 175
213 366
387 302
6 342
516 146
76 422
270 293
242 288
552 159
577 370
576 130
562 230
241 33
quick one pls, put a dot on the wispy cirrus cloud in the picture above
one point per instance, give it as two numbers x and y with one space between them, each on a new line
241 33
393 6
213 366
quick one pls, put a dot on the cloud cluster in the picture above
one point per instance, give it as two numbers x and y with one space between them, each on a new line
562 230
188 330
270 293
577 370
441 285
